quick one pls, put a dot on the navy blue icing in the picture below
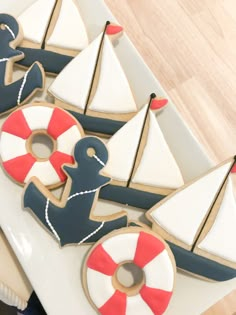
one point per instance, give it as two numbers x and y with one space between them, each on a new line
130 196
34 307
52 62
201 266
73 222
9 93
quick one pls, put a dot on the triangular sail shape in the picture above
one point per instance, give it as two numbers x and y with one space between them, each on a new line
113 93
69 31
157 166
183 213
122 148
221 239
35 19
72 85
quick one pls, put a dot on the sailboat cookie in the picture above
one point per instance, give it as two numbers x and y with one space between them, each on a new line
141 160
199 222
15 93
94 86
71 219
54 32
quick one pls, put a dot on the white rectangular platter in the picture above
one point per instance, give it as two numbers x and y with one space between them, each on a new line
56 273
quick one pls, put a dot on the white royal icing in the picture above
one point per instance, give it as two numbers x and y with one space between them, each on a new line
72 85
136 305
121 247
38 117
159 272
220 240
69 31
183 214
113 94
122 148
157 166
45 172
11 146
34 20
67 140
99 286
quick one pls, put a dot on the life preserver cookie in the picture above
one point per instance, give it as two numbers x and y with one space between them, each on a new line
18 158
143 248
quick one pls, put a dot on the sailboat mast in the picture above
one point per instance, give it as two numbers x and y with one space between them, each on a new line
45 35
96 66
152 96
209 213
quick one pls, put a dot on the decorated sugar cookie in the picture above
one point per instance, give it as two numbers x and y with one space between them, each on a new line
199 222
15 93
54 32
71 219
149 253
94 86
17 134
149 170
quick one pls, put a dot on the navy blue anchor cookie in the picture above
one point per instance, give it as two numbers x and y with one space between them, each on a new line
15 93
71 219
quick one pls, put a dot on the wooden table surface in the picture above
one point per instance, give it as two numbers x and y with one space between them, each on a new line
190 45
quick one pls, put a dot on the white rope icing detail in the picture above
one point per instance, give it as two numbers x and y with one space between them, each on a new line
22 87
10 30
99 161
11 298
82 193
91 234
48 221
4 59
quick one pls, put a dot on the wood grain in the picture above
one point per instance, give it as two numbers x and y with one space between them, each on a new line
190 46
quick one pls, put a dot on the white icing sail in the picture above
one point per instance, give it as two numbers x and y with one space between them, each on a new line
34 20
122 148
221 239
182 214
157 166
73 83
113 94
69 31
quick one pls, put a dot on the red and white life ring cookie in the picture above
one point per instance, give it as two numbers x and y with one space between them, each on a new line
17 133
143 248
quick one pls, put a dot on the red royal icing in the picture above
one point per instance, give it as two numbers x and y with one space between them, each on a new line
158 103
233 170
113 29
16 125
156 299
100 261
59 123
116 305
19 167
57 159
148 247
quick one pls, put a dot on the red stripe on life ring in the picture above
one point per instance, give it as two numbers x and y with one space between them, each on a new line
116 305
19 167
101 261
16 125
148 247
156 299
59 123
57 159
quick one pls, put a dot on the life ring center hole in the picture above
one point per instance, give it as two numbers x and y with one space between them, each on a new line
2 26
42 146
129 278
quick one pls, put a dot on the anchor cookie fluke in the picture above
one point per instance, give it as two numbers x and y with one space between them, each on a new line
15 93
71 219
